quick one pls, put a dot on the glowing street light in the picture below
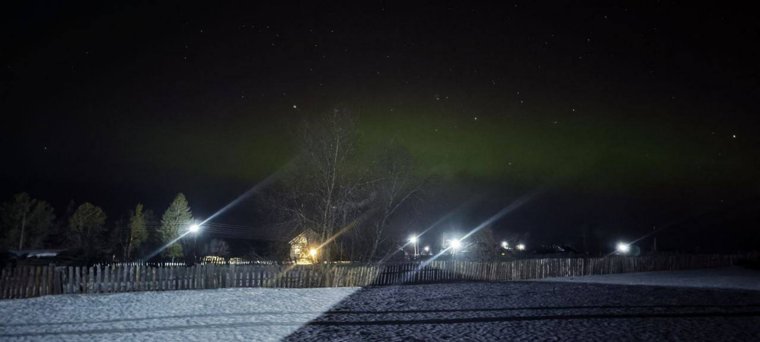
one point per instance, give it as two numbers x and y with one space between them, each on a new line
623 248
413 240
313 252
455 244
520 247
427 249
194 228
504 245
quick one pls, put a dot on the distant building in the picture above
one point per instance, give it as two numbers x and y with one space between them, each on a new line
304 248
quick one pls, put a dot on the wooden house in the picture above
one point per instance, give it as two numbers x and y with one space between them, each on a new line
304 248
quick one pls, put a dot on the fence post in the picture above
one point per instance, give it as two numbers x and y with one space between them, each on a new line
29 286
55 280
3 282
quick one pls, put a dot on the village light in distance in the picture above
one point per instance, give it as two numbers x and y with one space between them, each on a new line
427 249
623 248
455 244
504 245
520 247
413 240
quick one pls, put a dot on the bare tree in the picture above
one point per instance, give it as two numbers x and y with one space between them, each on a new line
396 184
25 221
484 245
349 203
138 232
118 239
322 190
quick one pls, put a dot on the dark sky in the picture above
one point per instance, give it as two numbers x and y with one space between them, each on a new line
629 116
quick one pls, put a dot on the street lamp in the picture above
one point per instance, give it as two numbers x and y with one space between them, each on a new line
413 240
194 229
504 245
520 247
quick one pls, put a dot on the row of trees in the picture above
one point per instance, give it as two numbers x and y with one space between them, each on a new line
29 223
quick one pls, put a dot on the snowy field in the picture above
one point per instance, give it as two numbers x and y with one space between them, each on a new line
515 311
200 315
699 305
539 311
722 278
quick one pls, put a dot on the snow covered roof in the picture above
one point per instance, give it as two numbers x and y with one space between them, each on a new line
307 234
36 253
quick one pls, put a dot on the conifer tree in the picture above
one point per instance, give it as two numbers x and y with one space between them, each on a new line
175 220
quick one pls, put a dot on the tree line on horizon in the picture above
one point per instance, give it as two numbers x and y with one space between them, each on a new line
30 223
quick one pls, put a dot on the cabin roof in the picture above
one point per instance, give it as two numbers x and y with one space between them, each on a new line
308 233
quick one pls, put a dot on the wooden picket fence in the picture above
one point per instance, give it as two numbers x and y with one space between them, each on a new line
32 281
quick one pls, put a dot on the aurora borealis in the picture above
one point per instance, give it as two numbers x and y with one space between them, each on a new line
649 109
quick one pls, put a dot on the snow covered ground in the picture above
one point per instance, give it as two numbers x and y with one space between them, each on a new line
539 311
515 311
205 315
725 278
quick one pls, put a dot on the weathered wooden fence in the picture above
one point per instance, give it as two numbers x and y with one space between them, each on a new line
31 281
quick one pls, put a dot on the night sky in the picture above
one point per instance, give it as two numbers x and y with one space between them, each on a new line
628 116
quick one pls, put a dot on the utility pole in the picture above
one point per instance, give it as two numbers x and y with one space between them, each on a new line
23 226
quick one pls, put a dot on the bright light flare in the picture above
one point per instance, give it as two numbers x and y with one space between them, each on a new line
246 194
313 252
520 247
194 228
623 248
455 244
413 239
506 210
160 249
